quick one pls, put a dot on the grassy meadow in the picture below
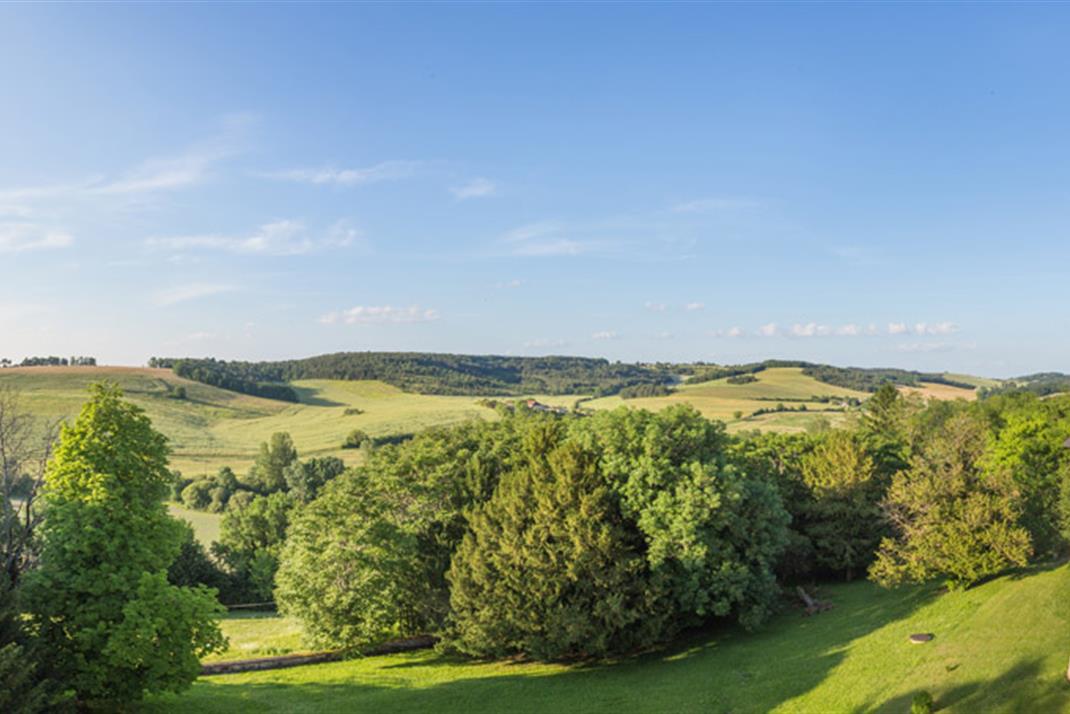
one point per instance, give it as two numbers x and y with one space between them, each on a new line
215 427
720 400
853 658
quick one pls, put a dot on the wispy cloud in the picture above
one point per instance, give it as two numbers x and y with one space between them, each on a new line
384 171
379 315
193 291
279 238
26 237
476 188
710 205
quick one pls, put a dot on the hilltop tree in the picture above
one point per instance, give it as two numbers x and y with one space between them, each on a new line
951 517
100 604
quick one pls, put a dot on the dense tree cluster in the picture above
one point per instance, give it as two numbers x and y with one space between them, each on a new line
538 534
426 373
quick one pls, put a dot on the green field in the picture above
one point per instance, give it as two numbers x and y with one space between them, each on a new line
215 427
205 525
720 400
853 658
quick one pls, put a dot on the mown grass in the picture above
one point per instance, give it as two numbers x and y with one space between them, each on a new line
1000 647
721 400
205 525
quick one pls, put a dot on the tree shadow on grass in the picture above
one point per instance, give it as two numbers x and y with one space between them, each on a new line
720 669
310 396
1026 687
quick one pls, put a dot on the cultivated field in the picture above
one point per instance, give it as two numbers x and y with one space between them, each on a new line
721 400
853 658
215 427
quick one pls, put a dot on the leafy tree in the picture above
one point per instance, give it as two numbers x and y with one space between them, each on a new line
951 518
268 473
250 539
304 479
350 572
100 603
549 569
842 518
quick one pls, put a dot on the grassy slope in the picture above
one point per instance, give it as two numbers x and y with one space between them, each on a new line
216 427
720 400
853 658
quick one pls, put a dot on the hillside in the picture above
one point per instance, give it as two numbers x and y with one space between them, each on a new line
213 427
720 399
853 658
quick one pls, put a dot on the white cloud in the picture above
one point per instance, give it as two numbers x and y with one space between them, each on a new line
285 237
939 328
476 188
379 315
850 330
656 306
384 171
544 239
693 306
709 205
25 237
193 291
604 335
768 330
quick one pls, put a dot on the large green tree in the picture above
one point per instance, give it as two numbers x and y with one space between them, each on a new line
550 569
842 517
113 627
952 518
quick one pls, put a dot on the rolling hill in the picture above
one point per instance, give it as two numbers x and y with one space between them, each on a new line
853 658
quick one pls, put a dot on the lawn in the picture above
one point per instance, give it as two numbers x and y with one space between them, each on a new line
853 658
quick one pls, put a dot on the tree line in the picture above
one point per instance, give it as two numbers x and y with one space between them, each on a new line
426 373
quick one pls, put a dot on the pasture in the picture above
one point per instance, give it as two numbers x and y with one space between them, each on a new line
855 657
720 400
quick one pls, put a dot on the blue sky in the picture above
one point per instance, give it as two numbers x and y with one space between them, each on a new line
855 184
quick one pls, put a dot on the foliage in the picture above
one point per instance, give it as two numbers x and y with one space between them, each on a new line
111 625
268 473
251 538
842 518
549 568
951 518
424 373
305 479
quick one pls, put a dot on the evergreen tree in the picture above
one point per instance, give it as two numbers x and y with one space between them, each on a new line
100 603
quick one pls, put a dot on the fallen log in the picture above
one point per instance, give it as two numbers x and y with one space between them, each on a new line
812 605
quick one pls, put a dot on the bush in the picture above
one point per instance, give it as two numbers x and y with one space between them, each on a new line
355 439
922 703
